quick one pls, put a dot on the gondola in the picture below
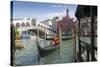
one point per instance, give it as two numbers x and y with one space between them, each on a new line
44 51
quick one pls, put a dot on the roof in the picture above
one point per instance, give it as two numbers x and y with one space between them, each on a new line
84 10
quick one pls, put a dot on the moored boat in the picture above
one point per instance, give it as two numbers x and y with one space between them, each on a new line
44 51
19 45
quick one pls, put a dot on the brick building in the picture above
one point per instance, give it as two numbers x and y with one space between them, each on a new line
66 24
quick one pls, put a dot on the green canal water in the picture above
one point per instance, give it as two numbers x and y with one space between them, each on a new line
29 55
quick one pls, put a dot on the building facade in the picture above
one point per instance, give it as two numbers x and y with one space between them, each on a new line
66 24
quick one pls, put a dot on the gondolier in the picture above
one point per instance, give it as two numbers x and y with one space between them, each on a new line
55 41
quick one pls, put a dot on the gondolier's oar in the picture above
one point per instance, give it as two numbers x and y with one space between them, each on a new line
37 43
60 36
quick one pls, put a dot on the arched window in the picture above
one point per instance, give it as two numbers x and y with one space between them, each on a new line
33 22
23 24
17 25
27 24
41 25
38 24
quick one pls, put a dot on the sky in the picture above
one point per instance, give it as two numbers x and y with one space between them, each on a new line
41 11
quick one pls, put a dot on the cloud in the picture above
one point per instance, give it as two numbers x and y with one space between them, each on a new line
58 6
53 14
59 14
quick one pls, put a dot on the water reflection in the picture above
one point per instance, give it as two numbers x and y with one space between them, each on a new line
29 55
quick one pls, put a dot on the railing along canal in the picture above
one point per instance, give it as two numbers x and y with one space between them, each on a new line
85 51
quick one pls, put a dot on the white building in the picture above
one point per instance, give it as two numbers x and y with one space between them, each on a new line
47 22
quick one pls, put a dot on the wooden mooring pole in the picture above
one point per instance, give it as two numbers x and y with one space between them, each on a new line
92 35
74 41
79 43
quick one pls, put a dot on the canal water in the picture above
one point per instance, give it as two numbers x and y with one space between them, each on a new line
29 55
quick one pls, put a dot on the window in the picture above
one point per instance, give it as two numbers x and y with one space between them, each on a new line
33 22
38 24
27 24
17 24
23 24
